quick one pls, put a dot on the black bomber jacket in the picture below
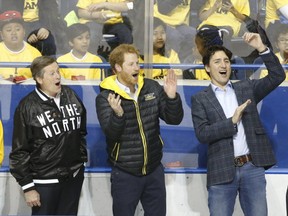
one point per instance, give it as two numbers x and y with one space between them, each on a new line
48 143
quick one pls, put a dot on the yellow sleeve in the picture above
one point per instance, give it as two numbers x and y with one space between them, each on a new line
84 3
208 4
263 73
1 143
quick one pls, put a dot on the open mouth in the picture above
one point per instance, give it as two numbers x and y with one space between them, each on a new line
57 84
135 75
223 72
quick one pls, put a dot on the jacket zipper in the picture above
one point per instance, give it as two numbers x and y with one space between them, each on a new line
144 172
115 151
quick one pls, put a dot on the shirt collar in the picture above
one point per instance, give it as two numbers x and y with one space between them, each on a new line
44 96
125 88
216 88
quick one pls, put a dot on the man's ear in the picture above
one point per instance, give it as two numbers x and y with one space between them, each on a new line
118 68
39 80
207 68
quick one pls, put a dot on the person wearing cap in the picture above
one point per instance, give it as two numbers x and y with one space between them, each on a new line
79 39
13 48
49 145
225 116
45 29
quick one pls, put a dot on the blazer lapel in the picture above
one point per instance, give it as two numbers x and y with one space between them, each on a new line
214 102
238 93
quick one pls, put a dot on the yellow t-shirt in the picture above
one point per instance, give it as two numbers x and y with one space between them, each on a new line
201 74
27 54
30 12
272 6
265 72
1 143
84 73
158 59
178 16
226 19
117 18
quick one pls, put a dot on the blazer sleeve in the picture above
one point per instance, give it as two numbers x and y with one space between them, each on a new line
276 75
207 130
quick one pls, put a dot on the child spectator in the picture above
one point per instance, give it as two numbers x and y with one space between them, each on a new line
281 43
43 25
160 54
13 48
176 15
79 39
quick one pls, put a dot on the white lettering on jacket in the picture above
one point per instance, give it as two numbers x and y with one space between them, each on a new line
71 121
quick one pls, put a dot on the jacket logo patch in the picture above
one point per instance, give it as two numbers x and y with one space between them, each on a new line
149 96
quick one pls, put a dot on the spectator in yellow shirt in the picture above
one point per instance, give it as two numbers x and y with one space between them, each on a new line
79 39
160 54
281 43
13 48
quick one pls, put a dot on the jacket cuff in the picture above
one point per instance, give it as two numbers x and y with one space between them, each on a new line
28 187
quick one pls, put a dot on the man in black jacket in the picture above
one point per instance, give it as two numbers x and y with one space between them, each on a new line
128 109
49 145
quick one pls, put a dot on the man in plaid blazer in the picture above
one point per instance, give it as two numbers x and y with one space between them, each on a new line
225 117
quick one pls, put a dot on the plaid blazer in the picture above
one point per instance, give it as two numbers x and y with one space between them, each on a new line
213 128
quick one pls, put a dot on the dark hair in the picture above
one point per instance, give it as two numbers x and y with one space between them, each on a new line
158 22
75 30
206 38
212 50
38 64
282 29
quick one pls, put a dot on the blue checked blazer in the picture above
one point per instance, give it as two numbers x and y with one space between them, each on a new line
213 128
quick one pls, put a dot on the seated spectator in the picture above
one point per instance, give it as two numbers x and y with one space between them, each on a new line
203 40
13 48
281 43
276 12
79 39
191 73
223 15
43 25
176 15
106 17
160 53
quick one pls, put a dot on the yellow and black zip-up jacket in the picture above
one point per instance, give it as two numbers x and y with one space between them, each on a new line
133 141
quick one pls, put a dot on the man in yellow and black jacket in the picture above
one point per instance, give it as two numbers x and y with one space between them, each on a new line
128 108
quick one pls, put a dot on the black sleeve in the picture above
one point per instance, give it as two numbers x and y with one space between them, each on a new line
17 5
